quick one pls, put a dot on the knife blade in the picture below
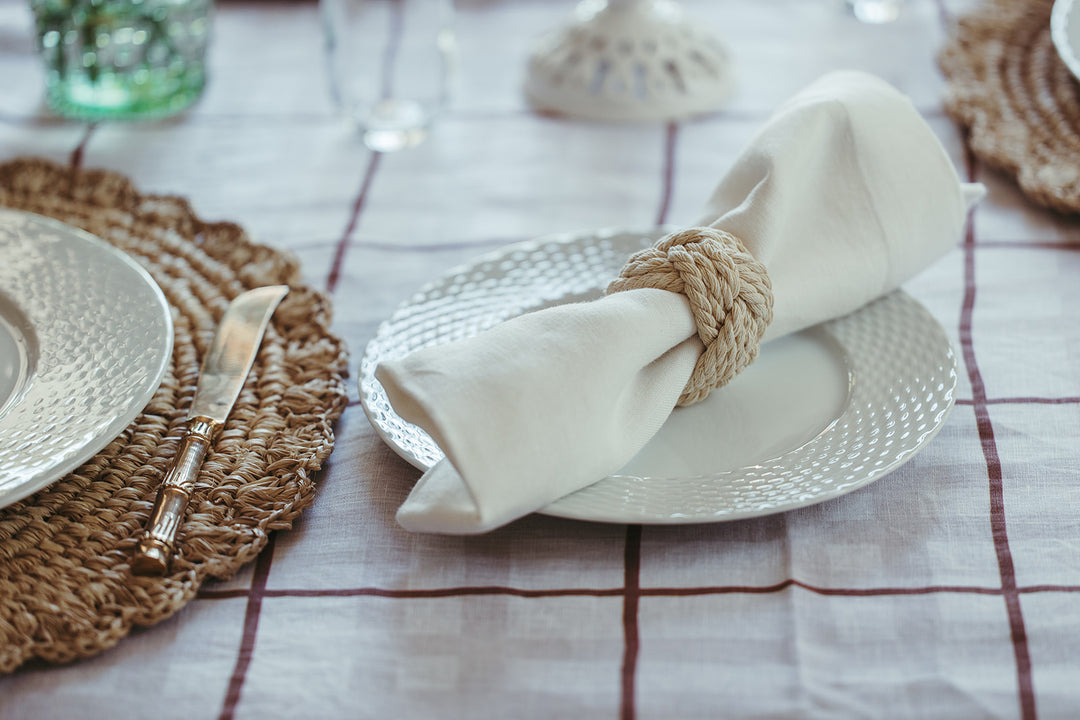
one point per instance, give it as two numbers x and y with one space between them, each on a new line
224 370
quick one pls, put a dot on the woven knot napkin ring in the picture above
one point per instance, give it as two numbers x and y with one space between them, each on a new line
730 297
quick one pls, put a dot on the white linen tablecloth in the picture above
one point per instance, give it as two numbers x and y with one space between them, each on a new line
948 589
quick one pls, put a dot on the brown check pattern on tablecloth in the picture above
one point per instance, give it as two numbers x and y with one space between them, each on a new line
948 589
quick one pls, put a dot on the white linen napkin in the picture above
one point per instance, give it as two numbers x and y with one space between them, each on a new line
843 195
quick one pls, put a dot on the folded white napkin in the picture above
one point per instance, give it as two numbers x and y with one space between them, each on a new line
843 195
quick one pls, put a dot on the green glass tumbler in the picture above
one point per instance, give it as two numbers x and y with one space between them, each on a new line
122 59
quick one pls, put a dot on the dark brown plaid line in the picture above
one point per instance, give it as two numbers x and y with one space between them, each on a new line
671 136
641 592
996 489
458 591
944 16
448 592
1049 588
77 154
847 592
1028 245
1022 401
453 246
251 630
354 220
817 590
631 600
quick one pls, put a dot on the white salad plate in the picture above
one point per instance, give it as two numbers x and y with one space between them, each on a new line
1065 34
819 414
85 338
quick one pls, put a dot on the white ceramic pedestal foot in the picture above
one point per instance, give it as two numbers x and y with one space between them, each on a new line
629 60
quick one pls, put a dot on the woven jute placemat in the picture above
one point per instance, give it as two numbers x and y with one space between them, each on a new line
1008 85
66 590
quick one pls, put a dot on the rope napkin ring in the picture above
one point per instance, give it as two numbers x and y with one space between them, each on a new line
730 297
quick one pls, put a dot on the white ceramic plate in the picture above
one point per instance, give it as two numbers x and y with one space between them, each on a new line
85 338
1065 33
820 413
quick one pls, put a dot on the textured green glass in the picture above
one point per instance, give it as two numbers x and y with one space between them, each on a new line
122 59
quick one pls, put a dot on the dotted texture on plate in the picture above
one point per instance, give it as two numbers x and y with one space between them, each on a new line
1007 84
66 590
98 335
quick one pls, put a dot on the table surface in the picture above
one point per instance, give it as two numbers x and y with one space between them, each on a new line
948 589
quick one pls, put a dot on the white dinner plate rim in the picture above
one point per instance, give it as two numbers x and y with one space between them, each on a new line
1062 18
155 317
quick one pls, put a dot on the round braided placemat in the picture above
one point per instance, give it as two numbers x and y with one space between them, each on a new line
66 590
1022 105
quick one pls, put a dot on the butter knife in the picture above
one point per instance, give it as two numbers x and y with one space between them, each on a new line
223 372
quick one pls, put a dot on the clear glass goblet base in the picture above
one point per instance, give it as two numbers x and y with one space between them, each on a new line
395 124
875 12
